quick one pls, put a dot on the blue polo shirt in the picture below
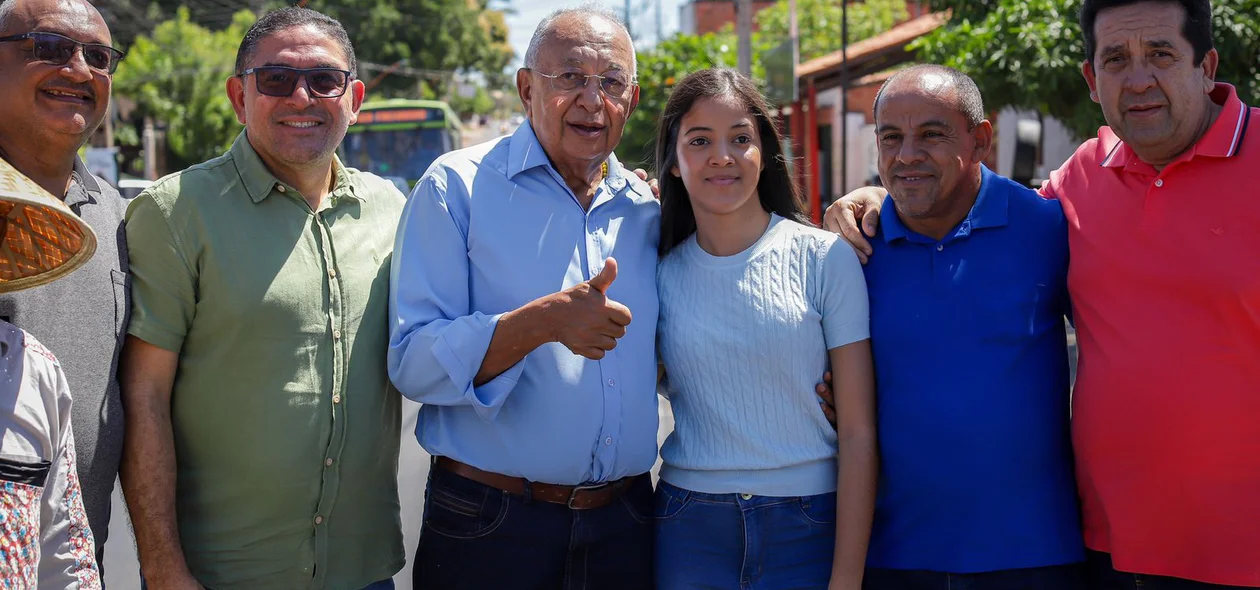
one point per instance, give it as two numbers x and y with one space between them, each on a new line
971 362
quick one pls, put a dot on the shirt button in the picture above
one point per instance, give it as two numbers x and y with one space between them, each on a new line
280 187
328 462
332 273
336 334
612 383
337 398
319 520
608 442
940 247
1159 182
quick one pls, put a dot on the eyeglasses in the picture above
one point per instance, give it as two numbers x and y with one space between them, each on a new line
615 84
58 50
281 81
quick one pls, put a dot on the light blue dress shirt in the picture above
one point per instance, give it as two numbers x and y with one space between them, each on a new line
487 230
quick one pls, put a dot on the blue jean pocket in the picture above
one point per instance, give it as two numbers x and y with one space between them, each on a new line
820 509
670 501
463 509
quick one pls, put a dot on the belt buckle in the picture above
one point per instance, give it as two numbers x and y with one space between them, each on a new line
582 488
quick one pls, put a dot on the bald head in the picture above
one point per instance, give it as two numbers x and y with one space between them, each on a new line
588 23
21 16
937 81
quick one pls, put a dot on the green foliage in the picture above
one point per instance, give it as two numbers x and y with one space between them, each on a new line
818 22
1027 54
479 103
177 75
435 35
660 68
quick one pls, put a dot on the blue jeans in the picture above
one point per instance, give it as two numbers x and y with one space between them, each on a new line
1104 576
743 542
1060 577
476 537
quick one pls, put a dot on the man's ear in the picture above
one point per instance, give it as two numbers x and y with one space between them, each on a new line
1087 70
634 101
236 94
357 91
1211 60
525 88
983 135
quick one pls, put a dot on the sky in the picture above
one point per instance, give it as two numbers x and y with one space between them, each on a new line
530 12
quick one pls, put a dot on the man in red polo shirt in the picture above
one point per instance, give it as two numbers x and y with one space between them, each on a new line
1164 230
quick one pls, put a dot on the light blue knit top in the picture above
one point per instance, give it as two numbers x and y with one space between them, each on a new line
744 340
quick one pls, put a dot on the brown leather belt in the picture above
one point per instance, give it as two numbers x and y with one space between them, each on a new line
583 497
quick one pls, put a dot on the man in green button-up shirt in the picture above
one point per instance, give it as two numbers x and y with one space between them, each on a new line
262 434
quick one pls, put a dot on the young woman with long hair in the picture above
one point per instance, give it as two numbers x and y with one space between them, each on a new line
757 487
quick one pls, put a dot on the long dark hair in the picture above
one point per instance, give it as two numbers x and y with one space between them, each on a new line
776 188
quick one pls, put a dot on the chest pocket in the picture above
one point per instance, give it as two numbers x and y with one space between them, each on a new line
122 300
21 490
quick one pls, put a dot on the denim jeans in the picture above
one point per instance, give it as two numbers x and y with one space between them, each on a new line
1103 576
476 537
1061 577
743 542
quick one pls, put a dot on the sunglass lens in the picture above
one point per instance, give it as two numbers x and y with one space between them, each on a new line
276 81
52 49
98 58
326 83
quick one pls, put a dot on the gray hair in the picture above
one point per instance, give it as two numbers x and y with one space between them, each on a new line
548 25
967 100
6 13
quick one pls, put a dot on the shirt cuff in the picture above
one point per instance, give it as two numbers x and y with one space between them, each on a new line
846 334
155 335
469 342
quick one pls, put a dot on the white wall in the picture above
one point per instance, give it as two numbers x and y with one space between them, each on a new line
1057 143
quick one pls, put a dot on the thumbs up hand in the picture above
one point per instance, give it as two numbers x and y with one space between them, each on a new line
588 322
605 278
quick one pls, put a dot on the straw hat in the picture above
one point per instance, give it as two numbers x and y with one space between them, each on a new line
41 239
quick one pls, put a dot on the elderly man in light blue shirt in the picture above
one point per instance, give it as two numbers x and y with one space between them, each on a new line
524 312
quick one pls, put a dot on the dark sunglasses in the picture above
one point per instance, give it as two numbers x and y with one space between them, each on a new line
59 49
282 80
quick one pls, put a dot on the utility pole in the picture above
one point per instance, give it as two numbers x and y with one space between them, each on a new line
660 24
795 34
149 138
629 18
844 96
743 27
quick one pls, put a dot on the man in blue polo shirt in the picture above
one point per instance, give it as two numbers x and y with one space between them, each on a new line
968 293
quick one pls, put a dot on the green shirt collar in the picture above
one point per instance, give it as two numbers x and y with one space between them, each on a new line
259 182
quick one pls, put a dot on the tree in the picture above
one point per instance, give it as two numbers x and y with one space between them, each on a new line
480 103
177 75
1027 54
670 60
660 68
438 36
818 22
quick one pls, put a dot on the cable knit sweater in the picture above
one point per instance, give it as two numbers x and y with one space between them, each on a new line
744 340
